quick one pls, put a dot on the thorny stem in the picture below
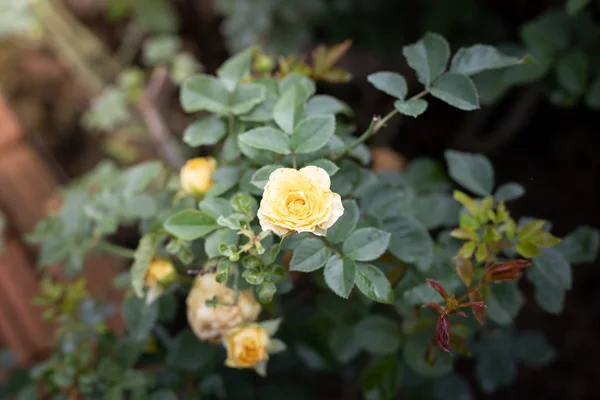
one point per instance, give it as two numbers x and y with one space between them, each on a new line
115 249
376 124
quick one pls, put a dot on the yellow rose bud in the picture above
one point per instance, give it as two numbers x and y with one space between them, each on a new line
160 272
209 323
246 346
196 175
299 201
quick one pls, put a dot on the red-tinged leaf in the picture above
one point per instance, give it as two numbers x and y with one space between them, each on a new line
461 314
464 269
337 51
442 333
504 276
438 287
478 306
435 306
504 272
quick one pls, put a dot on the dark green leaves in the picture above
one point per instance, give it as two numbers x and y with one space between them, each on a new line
478 58
581 245
312 133
552 276
504 302
190 224
261 177
310 255
428 57
572 72
533 349
415 357
410 242
378 335
366 244
473 171
340 275
266 138
509 191
574 7
381 378
288 110
207 131
389 82
373 283
458 90
139 317
187 353
345 224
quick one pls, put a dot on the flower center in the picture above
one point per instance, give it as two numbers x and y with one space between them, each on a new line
249 353
296 204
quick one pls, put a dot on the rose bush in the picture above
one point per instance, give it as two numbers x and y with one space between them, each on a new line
373 281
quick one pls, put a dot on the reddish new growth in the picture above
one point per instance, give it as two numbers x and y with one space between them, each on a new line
495 273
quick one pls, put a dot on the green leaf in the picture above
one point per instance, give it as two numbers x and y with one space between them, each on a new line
266 138
142 258
452 387
305 87
190 224
581 245
414 356
310 255
235 69
527 249
381 378
373 283
473 171
572 72
261 177
246 97
266 291
207 131
345 225
137 178
216 207
426 175
574 7
504 302
550 268
389 82
509 191
154 15
312 133
478 58
366 244
323 104
412 108
458 90
436 210
378 335
138 316
160 49
204 92
342 343
288 110
496 366
533 349
339 275
211 245
329 166
428 57
187 353
410 242
592 97
244 203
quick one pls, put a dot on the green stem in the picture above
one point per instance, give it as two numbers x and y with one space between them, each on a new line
115 249
294 160
374 127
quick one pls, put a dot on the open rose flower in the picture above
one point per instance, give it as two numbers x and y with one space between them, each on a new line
196 175
246 346
210 322
299 201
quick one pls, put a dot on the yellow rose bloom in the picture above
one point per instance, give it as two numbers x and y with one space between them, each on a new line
246 346
196 175
299 201
160 271
209 323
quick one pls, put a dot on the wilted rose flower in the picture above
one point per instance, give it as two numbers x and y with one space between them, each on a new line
246 346
196 175
299 201
210 322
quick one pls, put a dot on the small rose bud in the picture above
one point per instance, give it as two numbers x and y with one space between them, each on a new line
442 333
160 273
438 287
196 175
